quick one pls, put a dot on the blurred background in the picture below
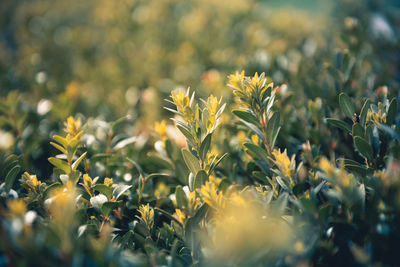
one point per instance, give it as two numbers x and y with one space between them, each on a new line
106 59
109 58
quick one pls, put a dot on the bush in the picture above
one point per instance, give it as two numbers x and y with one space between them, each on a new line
303 171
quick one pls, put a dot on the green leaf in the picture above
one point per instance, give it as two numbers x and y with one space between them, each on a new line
191 161
348 162
108 206
356 168
181 200
364 112
76 163
62 165
59 147
187 134
156 175
61 140
346 106
256 151
105 190
120 189
358 130
214 165
392 112
339 124
200 179
10 177
191 181
205 146
363 147
74 176
246 116
273 129
308 205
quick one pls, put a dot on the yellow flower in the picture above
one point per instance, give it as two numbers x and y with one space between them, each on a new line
30 182
73 126
344 179
72 90
87 180
147 215
376 117
210 195
236 199
299 247
181 100
17 207
180 216
283 162
255 139
255 81
161 128
214 180
193 202
108 182
212 106
241 137
161 190
327 167
236 80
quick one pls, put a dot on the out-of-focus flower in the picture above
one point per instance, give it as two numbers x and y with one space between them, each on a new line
6 140
161 128
161 190
30 182
16 207
210 195
327 167
180 216
72 90
283 162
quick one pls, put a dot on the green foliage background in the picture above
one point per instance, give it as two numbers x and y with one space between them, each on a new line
112 64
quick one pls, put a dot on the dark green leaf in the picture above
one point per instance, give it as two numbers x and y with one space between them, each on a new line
180 196
10 177
392 112
107 207
346 106
256 151
205 146
364 112
246 116
105 190
339 124
358 130
200 179
363 147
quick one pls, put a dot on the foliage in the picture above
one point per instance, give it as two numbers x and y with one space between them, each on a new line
299 166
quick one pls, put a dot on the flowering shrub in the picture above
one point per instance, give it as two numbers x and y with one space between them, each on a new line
295 166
